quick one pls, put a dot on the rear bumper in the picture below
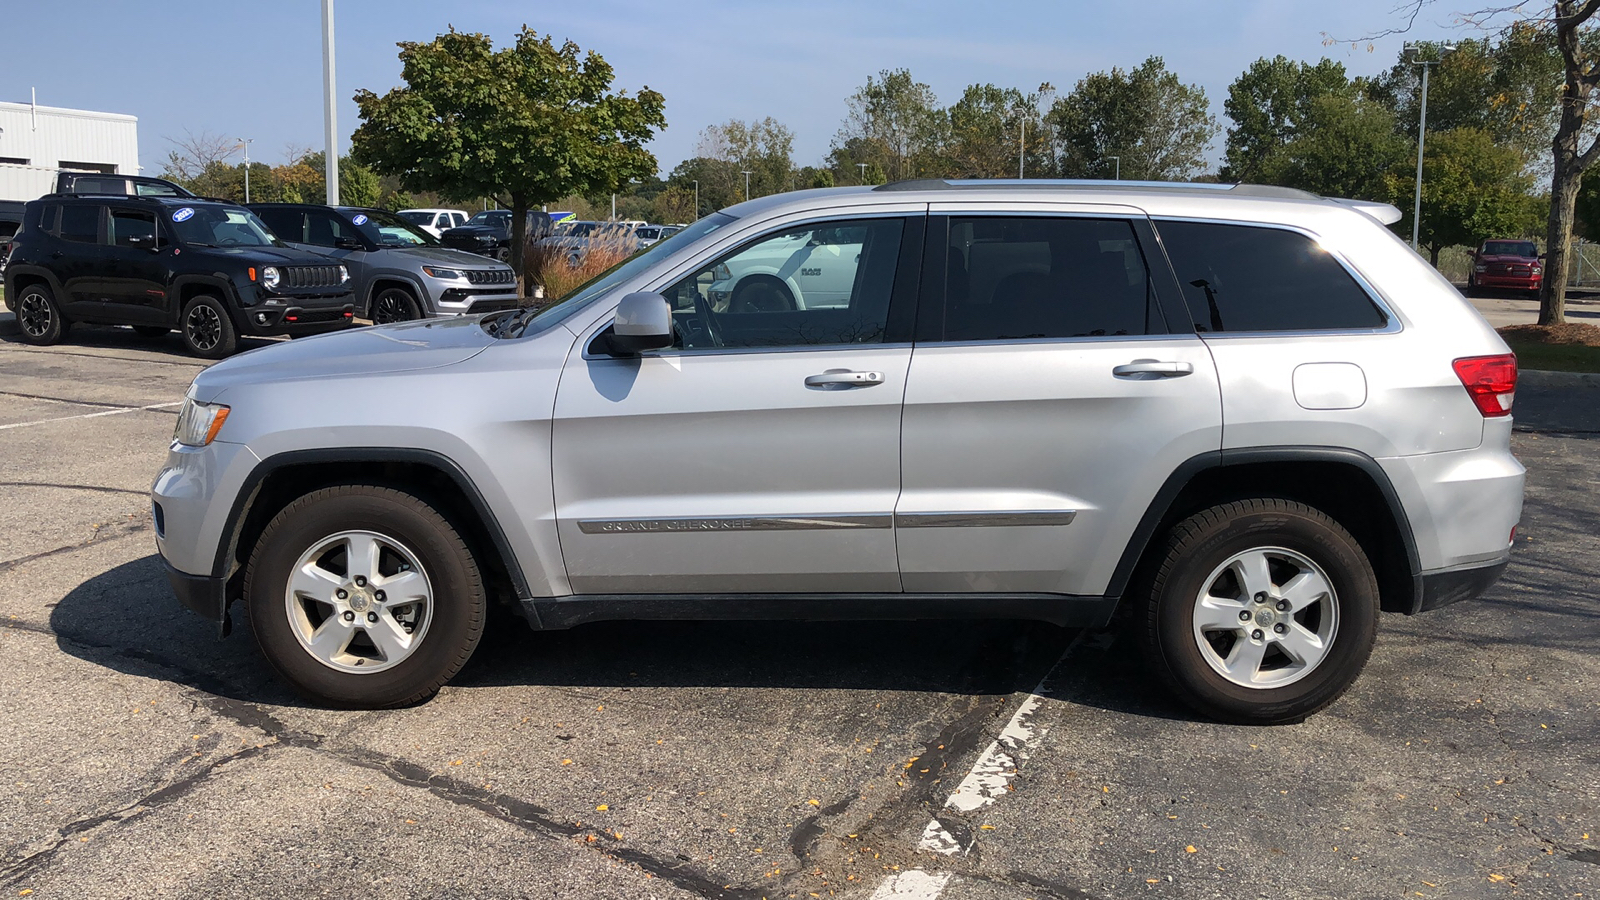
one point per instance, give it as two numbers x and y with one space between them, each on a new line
1455 585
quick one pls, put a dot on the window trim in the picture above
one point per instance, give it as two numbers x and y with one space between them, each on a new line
1392 323
933 302
904 297
111 214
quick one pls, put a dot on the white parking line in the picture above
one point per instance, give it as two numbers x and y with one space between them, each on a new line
989 780
108 412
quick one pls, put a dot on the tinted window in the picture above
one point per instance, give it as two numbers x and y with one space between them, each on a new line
1021 278
389 230
153 189
287 224
1510 248
80 222
494 218
817 284
324 227
219 226
100 185
132 228
1242 278
417 218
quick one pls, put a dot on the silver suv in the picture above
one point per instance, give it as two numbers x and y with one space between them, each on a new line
1249 417
398 270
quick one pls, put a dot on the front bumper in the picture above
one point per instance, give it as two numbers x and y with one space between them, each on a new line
202 594
472 300
272 320
1507 282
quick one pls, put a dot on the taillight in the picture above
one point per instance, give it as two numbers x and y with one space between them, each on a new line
1491 382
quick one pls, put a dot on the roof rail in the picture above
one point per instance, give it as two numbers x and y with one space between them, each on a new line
1096 184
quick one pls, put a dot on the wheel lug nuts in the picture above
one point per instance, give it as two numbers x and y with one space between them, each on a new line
378 596
361 581
1256 635
1260 598
1283 606
349 616
341 593
1281 628
1244 615
372 617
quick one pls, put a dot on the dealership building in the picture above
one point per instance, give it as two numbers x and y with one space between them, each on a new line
38 141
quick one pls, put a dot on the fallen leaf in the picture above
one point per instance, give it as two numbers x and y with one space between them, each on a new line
985 827
1190 849
601 808
814 802
566 762
1496 876
411 821
457 762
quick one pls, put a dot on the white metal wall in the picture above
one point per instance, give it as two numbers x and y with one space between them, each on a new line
48 136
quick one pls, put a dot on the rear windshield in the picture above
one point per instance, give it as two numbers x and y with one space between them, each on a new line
1510 248
220 226
417 218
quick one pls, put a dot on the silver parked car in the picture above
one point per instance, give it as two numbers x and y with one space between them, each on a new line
398 270
1250 415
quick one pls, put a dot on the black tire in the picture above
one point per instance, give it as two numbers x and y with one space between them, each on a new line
207 328
1197 548
455 619
38 317
394 305
151 331
761 293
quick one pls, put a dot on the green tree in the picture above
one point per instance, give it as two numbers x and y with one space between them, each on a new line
1158 126
1269 104
763 148
894 121
1345 147
986 126
720 184
1473 188
532 122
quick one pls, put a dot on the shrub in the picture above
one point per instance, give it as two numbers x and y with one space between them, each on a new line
561 269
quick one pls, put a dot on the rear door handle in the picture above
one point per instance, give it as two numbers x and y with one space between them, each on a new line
1154 367
844 377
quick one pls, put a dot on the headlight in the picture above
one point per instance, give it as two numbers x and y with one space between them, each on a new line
1537 270
269 278
198 423
344 274
437 272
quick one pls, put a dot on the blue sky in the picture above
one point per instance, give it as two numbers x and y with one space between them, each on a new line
253 69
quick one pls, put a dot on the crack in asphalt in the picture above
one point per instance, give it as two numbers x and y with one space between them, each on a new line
133 359
106 532
66 400
73 487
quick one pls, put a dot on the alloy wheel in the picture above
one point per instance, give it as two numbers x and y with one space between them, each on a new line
359 601
204 327
1266 617
35 316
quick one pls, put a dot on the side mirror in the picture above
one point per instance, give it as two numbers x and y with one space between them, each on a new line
644 322
346 243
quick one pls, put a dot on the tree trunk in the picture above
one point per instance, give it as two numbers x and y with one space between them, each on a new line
1570 159
1433 255
1564 188
519 240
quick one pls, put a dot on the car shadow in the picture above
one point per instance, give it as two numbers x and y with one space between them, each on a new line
120 337
128 620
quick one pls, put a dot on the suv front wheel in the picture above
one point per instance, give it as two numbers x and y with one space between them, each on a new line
1261 611
364 596
207 329
38 317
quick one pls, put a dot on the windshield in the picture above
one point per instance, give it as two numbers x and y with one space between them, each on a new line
516 324
495 218
1510 248
220 226
417 218
389 230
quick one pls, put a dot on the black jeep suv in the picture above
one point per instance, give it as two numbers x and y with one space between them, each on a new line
488 233
209 268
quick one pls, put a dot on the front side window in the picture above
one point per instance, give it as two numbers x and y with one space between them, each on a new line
1248 278
132 228
219 226
827 283
1016 278
81 223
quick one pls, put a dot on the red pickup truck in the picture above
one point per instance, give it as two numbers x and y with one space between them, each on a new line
1505 265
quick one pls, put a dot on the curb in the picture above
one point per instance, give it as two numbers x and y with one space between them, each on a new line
1537 378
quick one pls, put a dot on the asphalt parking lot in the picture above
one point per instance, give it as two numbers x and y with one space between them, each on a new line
143 757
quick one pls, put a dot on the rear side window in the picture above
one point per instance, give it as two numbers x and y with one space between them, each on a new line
1246 278
81 223
287 224
1029 278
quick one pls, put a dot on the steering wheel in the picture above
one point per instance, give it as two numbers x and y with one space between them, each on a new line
703 310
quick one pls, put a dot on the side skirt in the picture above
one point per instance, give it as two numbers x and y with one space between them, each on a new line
554 613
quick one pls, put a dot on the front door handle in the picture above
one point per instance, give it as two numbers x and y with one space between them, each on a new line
1153 367
844 377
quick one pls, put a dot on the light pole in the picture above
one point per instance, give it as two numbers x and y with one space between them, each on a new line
245 142
746 175
1118 161
1411 52
863 168
696 200
330 124
1022 147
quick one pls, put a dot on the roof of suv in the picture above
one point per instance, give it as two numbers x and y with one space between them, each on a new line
161 199
1156 197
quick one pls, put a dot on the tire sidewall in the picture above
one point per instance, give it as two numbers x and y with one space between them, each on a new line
413 310
1356 594
458 602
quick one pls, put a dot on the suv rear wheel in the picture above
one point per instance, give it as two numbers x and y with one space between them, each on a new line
39 318
207 329
364 596
1261 611
394 305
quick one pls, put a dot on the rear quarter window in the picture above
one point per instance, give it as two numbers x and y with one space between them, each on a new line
1241 278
